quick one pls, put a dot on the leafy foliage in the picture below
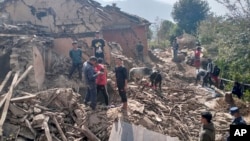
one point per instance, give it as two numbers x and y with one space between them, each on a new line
230 36
189 13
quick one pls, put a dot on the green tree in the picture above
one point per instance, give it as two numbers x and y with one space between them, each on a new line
149 33
166 28
189 13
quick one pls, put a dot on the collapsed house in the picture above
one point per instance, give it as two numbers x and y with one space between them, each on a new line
78 19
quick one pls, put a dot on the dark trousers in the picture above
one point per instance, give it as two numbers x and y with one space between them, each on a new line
77 66
103 90
122 93
91 96
140 56
99 55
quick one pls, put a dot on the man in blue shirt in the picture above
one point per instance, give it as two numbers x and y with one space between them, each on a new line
90 80
76 56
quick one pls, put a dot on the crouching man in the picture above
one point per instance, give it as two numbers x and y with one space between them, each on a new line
155 79
202 75
207 130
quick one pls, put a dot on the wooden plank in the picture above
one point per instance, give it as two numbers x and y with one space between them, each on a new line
3 100
59 129
7 102
46 129
85 131
5 81
23 75
23 98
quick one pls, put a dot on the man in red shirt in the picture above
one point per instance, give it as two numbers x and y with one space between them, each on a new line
101 80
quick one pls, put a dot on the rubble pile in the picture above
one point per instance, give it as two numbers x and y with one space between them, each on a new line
223 106
57 113
53 114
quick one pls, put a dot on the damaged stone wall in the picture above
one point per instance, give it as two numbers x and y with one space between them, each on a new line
71 17
58 16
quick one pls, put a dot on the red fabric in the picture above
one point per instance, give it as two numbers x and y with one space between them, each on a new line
197 54
102 78
197 62
215 78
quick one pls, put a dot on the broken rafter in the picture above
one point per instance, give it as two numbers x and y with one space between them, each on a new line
23 98
46 129
7 102
23 75
5 80
85 131
59 128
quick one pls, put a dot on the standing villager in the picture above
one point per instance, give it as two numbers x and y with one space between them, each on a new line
76 57
197 58
139 50
207 130
90 80
238 120
98 45
101 80
121 82
175 47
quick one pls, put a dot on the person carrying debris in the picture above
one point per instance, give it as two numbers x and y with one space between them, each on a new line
139 50
202 75
76 57
121 82
101 80
197 56
207 131
90 79
175 47
98 45
238 120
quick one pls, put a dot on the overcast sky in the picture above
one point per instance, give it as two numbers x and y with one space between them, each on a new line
150 9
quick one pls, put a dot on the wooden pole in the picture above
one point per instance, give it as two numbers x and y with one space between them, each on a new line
7 102
5 80
59 128
23 75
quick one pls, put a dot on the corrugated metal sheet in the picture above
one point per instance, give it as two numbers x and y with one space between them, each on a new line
122 131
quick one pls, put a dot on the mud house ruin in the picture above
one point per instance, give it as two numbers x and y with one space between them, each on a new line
72 18
56 23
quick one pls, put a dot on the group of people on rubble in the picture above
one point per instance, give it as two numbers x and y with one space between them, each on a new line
211 74
95 72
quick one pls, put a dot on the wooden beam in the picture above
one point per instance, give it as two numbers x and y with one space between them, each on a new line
3 100
7 103
85 131
59 128
5 80
46 129
23 75
23 98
